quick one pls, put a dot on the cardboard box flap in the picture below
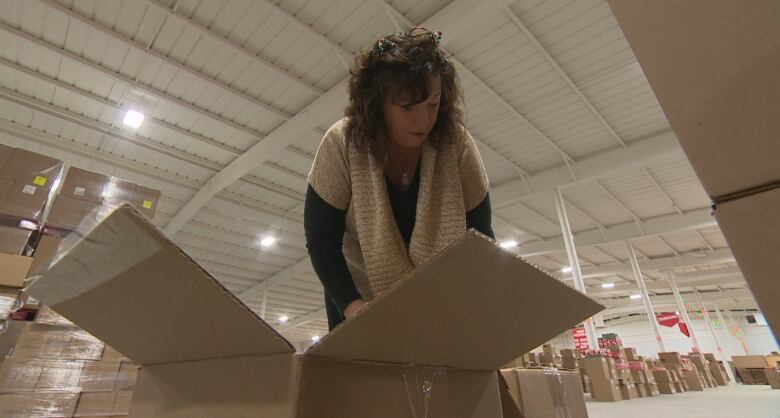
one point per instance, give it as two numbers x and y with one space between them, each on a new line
473 306
714 66
123 281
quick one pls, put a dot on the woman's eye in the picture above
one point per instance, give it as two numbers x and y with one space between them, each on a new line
433 104
408 108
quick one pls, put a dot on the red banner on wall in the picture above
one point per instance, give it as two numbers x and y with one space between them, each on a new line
667 319
684 329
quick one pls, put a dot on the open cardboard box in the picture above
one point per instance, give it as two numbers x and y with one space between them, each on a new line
429 347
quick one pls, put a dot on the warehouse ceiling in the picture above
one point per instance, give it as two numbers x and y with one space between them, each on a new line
237 94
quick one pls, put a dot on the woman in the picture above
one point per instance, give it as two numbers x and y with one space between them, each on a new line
397 179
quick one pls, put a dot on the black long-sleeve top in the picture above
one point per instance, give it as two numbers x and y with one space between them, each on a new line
324 225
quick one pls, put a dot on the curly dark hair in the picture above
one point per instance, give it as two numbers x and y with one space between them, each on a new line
398 67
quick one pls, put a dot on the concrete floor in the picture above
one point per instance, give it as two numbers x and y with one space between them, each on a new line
734 401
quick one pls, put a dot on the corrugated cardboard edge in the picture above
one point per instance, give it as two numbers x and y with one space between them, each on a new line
408 276
325 347
37 287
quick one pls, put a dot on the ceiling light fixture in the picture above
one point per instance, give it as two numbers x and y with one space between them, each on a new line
133 119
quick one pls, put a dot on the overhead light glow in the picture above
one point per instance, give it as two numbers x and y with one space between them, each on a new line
315 338
268 241
676 312
636 296
509 244
607 285
133 119
283 319
566 270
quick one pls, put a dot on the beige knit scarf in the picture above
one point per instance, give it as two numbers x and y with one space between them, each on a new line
452 182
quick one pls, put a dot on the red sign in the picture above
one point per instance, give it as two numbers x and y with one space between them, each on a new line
580 339
684 330
667 319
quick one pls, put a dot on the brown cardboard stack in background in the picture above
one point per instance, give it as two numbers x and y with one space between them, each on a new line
84 191
541 393
570 358
717 370
603 384
14 239
549 357
196 366
60 370
702 366
26 180
751 369
665 382
773 376
721 99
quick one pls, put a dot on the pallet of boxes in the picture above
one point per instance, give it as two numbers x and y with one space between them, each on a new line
59 370
717 369
26 183
641 374
687 374
539 385
617 373
50 367
758 370
669 381
712 377
571 360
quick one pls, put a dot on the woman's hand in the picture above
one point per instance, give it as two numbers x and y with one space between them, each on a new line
354 307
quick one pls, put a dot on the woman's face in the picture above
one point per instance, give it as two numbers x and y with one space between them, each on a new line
409 125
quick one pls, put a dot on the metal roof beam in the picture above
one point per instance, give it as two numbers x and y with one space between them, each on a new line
650 227
656 149
285 134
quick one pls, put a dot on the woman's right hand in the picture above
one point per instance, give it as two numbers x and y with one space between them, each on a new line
353 308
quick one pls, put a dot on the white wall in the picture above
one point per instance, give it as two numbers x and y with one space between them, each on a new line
639 335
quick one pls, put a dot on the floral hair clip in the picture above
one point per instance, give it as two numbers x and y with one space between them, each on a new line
386 44
383 45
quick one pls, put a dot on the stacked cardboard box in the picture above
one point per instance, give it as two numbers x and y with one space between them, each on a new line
643 379
665 382
604 386
717 370
84 191
752 369
198 364
541 393
723 110
684 373
703 368
570 358
549 357
59 370
26 181
773 376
